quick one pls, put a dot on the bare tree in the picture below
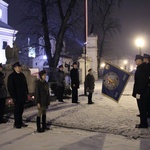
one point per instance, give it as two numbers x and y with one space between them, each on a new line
103 23
46 17
55 17
64 26
44 23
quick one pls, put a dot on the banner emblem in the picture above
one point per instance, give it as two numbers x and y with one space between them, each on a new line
114 81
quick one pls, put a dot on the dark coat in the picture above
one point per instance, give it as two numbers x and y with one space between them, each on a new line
42 95
74 74
60 78
149 74
3 91
140 79
89 83
17 86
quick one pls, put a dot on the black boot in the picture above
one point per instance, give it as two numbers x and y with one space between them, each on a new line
44 127
39 129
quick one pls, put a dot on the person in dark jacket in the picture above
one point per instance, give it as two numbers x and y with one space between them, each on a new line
147 62
90 84
42 99
140 90
3 95
18 90
74 74
60 80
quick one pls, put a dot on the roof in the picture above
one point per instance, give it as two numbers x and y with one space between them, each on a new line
4 25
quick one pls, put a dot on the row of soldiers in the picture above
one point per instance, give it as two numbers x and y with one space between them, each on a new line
74 81
141 89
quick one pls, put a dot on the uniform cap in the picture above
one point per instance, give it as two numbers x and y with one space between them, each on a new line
146 56
138 57
75 63
16 64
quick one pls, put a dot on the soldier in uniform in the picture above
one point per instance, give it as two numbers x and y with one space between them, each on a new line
74 74
140 90
60 79
147 62
89 84
18 90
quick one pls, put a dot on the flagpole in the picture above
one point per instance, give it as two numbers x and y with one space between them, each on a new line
86 34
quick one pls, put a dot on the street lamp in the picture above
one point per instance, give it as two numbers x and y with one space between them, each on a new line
139 42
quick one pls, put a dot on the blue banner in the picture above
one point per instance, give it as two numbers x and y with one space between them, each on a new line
114 81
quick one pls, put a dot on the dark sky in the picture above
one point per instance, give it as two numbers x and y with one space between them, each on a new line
14 10
134 17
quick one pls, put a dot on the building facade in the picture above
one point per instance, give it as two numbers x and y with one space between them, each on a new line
7 33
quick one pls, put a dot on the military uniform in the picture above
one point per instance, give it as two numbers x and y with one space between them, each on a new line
18 90
89 85
140 91
74 74
60 80
147 57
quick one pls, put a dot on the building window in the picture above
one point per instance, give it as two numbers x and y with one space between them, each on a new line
4 44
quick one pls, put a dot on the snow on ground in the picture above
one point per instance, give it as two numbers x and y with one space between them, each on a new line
105 115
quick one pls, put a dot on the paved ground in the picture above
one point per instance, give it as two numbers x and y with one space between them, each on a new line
65 139
105 125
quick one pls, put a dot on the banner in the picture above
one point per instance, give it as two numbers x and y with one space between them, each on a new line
114 81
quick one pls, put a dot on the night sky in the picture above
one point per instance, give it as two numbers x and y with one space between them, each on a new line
134 16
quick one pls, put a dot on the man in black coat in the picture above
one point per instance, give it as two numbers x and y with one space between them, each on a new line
90 84
3 95
140 90
147 62
18 90
74 74
60 80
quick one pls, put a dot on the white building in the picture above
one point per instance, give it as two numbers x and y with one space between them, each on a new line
90 60
7 33
40 61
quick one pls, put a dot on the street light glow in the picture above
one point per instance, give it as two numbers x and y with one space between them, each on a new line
125 62
103 65
139 42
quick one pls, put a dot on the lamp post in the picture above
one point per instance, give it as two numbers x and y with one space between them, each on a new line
139 42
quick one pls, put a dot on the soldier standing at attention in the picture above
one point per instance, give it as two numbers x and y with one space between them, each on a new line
74 74
89 84
147 62
18 90
140 90
60 77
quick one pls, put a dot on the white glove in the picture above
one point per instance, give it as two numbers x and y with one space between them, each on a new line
138 96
